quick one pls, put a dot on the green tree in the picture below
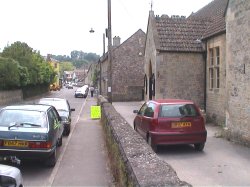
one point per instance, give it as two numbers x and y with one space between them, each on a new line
79 64
65 66
9 74
33 69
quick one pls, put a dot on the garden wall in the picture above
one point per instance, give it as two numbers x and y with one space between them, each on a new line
133 162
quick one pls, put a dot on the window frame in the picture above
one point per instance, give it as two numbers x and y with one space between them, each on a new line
214 68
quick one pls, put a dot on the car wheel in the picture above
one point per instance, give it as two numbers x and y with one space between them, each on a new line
135 128
153 146
67 131
60 142
51 161
199 146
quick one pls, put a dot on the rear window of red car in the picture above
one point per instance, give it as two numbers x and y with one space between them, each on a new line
178 110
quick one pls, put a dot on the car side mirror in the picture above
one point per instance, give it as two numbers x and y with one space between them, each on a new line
135 111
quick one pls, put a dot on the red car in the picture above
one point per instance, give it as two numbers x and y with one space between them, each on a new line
171 121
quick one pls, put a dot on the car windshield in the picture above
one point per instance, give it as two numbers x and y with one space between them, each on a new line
25 117
59 105
178 110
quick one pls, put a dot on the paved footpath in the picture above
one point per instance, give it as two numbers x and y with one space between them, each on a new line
85 159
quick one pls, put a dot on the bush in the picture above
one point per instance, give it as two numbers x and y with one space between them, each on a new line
9 74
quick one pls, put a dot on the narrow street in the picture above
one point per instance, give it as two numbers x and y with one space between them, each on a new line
82 159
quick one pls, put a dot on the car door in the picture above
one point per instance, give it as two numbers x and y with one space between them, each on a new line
52 133
57 123
138 119
56 128
147 119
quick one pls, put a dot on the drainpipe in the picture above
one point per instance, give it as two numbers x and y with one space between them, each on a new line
205 80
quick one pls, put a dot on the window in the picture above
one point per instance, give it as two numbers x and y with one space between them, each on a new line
214 68
149 111
143 108
217 67
178 110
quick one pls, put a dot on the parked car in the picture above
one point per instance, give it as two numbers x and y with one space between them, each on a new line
81 92
10 176
63 108
171 121
30 132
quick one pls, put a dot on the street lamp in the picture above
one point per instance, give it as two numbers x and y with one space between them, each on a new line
100 74
91 30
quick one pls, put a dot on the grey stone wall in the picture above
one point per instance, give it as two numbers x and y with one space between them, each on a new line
127 69
13 96
133 162
238 71
181 75
216 97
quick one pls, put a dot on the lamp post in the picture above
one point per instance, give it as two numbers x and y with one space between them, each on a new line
109 53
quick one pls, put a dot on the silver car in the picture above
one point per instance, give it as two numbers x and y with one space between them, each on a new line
10 176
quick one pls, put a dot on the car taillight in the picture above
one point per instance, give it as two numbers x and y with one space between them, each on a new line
40 145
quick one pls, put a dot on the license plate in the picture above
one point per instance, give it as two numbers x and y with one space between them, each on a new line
181 124
15 143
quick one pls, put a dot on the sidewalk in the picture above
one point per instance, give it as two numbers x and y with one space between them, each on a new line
85 161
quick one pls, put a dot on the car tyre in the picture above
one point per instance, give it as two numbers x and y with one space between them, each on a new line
153 146
199 146
67 131
135 128
60 142
51 161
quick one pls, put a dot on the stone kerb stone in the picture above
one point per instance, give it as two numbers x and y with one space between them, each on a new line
141 165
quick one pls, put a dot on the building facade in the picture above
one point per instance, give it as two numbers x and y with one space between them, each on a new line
127 69
174 59
238 71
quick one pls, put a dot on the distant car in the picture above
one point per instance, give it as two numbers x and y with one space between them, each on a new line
10 176
63 108
171 121
30 132
69 86
81 92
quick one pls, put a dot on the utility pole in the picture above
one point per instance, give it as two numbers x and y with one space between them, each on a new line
109 53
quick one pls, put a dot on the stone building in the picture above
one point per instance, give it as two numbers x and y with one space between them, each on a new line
214 38
127 68
205 58
238 71
175 58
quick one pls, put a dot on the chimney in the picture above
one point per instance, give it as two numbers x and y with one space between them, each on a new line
48 59
116 41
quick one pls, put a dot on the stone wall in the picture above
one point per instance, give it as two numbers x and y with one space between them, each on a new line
133 162
181 75
127 68
238 71
8 97
215 97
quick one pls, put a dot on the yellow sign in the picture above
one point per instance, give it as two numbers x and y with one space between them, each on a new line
95 112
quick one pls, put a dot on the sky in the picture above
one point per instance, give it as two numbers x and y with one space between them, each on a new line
60 26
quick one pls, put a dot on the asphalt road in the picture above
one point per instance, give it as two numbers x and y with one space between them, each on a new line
222 163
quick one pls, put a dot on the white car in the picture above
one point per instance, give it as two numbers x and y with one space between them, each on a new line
10 176
81 92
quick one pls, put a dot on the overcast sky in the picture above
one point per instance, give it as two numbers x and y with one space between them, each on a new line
61 26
